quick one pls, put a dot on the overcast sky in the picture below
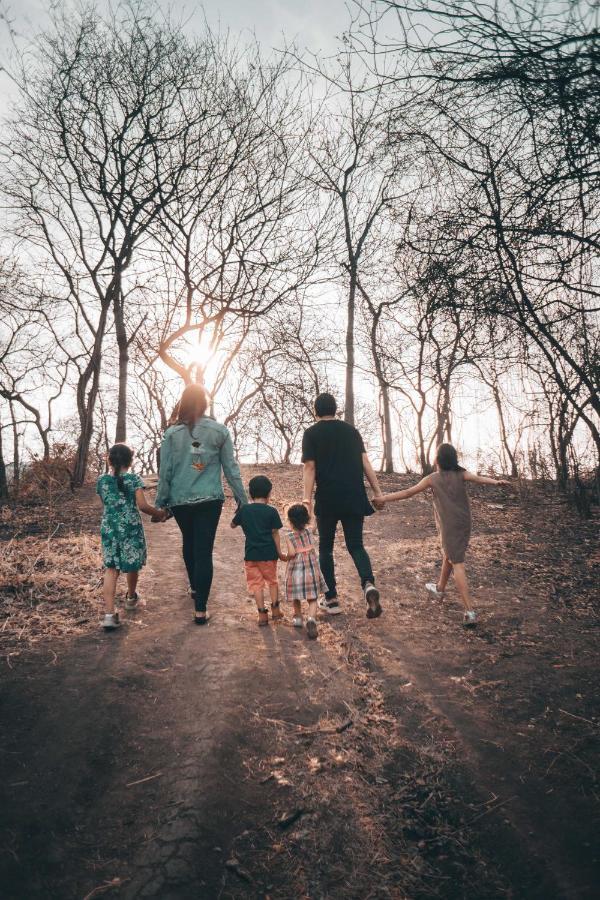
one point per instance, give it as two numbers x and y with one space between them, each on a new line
314 23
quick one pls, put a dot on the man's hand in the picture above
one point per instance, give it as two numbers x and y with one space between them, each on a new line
378 502
161 515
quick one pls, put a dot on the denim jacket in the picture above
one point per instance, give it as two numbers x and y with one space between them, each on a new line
190 465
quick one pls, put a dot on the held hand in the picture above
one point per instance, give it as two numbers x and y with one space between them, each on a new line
505 482
378 502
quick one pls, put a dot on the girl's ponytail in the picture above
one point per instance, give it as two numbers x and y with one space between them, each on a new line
447 459
120 457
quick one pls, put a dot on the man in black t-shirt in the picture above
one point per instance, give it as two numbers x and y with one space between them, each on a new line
335 460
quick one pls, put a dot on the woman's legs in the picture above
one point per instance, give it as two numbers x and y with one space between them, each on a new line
110 589
184 518
205 522
460 577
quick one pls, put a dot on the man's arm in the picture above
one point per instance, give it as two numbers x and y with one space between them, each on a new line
371 476
308 484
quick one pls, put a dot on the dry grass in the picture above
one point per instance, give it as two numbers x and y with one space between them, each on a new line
48 588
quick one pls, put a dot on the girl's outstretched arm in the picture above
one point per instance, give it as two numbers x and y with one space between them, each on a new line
145 507
484 479
422 485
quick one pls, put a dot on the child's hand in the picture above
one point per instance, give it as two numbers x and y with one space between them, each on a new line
378 502
505 482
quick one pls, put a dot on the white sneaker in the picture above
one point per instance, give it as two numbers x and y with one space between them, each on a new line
297 622
331 607
131 602
110 621
431 588
470 618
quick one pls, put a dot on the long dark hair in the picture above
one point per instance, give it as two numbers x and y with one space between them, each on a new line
192 404
446 458
120 457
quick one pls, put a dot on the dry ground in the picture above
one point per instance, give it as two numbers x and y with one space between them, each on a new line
400 758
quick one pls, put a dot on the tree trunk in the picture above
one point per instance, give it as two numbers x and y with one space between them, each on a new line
86 403
514 472
349 395
386 424
16 456
123 347
3 478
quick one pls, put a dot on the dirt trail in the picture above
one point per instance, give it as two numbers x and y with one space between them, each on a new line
419 761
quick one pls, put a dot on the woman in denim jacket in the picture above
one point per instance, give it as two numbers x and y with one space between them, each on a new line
194 451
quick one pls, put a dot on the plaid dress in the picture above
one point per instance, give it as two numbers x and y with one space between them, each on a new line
303 578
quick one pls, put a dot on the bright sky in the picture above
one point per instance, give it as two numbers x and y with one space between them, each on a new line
314 23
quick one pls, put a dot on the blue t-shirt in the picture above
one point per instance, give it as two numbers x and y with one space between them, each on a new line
259 521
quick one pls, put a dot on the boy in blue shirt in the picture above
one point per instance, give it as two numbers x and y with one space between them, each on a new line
260 523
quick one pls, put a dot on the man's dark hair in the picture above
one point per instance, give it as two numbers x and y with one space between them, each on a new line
260 487
298 516
325 405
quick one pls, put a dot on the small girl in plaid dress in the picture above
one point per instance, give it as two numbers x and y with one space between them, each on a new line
304 579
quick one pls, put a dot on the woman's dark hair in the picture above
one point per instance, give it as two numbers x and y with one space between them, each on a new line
260 487
192 404
298 516
447 459
325 405
120 457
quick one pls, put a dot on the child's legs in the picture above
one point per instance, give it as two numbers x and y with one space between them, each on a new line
460 577
274 592
312 608
297 608
110 589
132 581
259 598
444 574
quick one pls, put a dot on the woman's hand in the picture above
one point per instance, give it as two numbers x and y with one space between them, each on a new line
378 502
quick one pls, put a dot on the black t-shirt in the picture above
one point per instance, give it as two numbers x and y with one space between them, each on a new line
337 450
258 521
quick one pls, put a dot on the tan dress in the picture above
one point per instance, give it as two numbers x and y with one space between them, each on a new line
452 513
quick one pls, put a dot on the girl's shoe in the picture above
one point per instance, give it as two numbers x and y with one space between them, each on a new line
431 588
131 602
311 628
276 613
470 618
263 616
110 621
297 622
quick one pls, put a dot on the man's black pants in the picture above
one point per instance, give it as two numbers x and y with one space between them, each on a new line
353 535
198 524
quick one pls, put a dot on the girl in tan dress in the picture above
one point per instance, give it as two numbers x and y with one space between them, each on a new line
453 519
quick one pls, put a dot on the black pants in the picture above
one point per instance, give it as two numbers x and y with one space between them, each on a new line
198 525
353 535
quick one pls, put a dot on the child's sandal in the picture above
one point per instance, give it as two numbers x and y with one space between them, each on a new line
276 613
263 616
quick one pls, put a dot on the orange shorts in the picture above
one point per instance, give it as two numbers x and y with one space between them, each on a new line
260 573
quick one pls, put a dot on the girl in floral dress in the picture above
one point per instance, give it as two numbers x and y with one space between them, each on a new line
304 579
121 530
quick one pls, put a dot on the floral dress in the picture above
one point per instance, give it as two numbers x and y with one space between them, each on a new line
303 578
121 530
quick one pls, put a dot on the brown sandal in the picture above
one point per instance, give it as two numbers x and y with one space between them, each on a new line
263 616
276 613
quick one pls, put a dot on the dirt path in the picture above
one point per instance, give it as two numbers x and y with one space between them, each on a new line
415 760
